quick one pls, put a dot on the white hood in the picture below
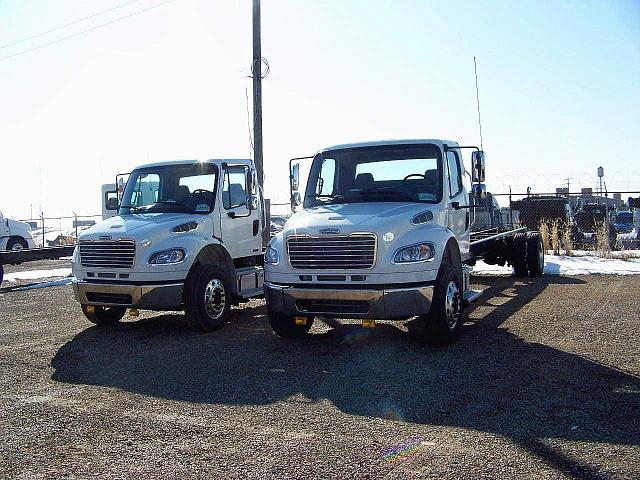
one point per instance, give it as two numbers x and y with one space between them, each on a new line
355 217
139 225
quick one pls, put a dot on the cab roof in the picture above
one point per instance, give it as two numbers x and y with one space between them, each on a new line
190 162
379 143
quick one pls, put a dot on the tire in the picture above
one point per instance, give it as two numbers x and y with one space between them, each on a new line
104 315
535 254
1 274
208 297
285 325
443 322
16 244
519 255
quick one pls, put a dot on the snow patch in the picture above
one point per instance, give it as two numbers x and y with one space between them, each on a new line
37 274
566 265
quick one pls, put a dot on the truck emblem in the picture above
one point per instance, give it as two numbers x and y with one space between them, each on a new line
105 237
329 231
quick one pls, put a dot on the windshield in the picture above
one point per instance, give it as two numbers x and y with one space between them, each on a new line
170 188
624 217
389 173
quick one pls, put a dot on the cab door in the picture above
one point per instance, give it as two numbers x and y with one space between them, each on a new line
454 189
240 224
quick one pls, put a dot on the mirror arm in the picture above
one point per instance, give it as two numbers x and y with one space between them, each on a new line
457 206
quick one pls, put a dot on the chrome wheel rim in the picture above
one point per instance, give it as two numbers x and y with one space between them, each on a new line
17 247
452 305
215 298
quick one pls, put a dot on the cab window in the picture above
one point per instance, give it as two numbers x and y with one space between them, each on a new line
455 174
234 189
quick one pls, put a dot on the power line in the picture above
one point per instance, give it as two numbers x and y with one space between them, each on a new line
87 30
55 29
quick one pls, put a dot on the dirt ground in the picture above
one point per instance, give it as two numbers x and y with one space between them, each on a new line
543 383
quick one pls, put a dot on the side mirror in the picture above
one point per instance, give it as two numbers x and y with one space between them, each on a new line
479 191
121 183
252 181
477 167
296 199
252 202
111 202
295 177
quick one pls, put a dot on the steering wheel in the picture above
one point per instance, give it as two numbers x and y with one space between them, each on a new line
414 175
200 192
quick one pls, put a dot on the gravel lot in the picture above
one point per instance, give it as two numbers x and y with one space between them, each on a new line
544 383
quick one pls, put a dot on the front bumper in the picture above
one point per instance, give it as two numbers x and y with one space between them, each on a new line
151 297
384 303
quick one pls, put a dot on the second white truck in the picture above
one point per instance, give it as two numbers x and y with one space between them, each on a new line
385 232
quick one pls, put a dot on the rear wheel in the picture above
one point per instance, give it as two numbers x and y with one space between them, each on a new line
103 315
519 255
444 321
286 325
535 254
207 298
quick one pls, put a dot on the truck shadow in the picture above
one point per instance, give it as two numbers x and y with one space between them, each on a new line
490 380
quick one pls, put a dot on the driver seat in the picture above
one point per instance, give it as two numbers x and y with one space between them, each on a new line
363 181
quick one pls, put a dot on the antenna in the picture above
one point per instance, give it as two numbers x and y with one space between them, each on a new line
475 69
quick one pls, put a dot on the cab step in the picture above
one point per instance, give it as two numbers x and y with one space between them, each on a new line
470 296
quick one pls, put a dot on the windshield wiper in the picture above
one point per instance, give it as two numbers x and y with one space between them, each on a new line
388 194
172 204
329 197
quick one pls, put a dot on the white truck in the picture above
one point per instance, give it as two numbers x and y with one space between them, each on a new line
188 236
14 235
385 232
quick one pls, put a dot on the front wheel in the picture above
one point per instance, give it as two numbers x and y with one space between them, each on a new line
207 298
103 315
16 244
444 321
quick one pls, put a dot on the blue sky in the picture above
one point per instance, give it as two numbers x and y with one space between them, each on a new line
558 88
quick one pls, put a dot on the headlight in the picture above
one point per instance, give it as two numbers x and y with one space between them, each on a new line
271 256
175 255
420 252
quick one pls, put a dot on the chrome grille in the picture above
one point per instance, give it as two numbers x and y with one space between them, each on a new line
349 252
108 254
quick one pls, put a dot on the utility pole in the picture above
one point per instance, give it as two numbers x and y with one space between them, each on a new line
256 73
568 180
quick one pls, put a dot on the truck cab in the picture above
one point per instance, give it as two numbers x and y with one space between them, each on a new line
14 235
383 233
187 236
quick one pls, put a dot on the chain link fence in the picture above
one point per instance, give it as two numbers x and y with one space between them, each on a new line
59 231
567 220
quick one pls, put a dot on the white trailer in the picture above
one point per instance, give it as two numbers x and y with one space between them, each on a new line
385 232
